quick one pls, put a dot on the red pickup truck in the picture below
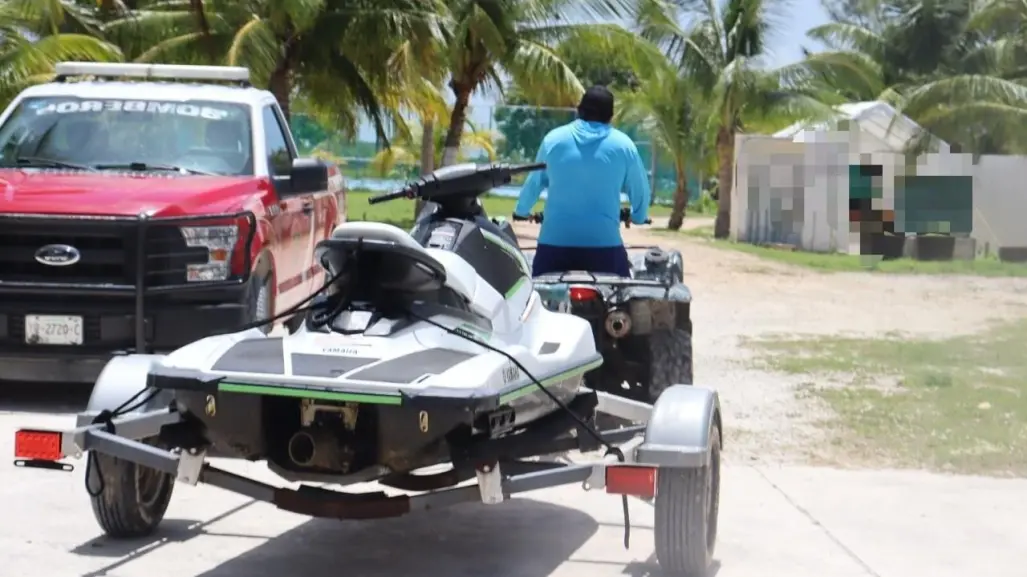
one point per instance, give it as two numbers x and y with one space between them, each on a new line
143 223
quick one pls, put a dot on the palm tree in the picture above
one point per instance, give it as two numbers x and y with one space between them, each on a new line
36 35
336 53
954 68
722 52
489 38
671 109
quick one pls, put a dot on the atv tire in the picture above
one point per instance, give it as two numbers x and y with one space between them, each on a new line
670 360
687 506
133 498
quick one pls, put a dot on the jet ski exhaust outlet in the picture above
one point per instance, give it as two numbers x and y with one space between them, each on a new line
318 448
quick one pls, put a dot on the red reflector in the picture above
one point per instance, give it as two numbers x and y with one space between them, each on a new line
37 445
636 481
581 293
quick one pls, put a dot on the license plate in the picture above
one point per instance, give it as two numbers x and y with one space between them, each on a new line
53 330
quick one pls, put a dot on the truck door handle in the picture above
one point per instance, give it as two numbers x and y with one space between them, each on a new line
308 208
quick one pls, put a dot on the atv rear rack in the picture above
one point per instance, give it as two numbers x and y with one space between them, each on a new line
585 277
644 446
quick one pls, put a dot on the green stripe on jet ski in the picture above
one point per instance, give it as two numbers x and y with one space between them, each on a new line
516 287
303 393
532 387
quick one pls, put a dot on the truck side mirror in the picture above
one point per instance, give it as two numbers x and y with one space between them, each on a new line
308 175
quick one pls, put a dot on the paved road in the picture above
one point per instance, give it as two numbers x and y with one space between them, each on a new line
789 522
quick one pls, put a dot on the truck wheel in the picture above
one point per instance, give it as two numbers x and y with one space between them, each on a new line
259 304
133 500
686 509
670 360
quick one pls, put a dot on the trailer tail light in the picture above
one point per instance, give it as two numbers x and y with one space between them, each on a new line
33 445
634 481
583 293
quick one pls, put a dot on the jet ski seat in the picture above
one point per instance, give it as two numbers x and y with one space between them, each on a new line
389 255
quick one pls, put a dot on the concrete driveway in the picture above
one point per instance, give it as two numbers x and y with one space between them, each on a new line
788 521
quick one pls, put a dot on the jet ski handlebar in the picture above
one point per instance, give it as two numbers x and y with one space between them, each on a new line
458 181
625 217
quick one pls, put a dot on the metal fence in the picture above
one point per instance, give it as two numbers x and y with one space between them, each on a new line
513 133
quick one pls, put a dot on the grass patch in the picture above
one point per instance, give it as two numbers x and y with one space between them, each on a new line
837 262
401 213
956 405
698 232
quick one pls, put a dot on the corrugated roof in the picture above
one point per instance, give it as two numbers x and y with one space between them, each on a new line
876 118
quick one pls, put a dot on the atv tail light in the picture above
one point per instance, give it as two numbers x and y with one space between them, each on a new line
34 445
629 480
221 241
583 293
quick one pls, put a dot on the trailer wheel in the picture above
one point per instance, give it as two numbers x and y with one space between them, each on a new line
687 507
133 498
670 360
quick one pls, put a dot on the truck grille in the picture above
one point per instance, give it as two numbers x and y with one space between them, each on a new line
108 251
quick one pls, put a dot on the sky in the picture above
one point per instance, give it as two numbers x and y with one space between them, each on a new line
785 48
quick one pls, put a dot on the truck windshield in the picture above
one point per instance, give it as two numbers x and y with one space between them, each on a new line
67 132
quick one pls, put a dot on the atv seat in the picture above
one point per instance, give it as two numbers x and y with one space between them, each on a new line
388 255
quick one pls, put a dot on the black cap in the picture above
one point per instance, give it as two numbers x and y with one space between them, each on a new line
596 105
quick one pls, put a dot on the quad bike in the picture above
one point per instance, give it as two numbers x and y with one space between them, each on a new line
425 361
642 325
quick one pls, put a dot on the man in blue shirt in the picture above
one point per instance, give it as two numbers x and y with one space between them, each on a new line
588 164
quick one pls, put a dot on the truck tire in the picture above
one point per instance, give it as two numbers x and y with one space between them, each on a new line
670 360
259 302
686 510
133 499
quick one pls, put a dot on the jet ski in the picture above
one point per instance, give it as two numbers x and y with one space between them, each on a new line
421 348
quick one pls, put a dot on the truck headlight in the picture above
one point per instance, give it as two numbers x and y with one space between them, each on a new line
219 242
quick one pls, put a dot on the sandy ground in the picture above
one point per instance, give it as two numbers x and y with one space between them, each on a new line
777 519
738 295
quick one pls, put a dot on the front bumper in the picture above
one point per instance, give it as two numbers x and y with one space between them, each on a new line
137 315
108 330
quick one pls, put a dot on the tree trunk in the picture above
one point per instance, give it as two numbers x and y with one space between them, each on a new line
203 25
653 163
677 213
427 146
456 124
427 155
726 174
280 84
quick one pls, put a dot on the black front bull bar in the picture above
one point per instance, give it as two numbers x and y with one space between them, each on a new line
139 288
190 467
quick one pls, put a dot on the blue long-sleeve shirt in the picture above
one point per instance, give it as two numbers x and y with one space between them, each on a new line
588 164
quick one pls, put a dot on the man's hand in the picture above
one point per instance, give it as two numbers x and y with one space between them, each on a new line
519 218
625 217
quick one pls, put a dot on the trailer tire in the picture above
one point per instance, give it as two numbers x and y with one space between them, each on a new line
670 360
686 510
133 498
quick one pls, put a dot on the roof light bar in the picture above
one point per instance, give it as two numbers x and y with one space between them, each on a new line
165 71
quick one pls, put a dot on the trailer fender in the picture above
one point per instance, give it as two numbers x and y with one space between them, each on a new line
680 427
123 377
